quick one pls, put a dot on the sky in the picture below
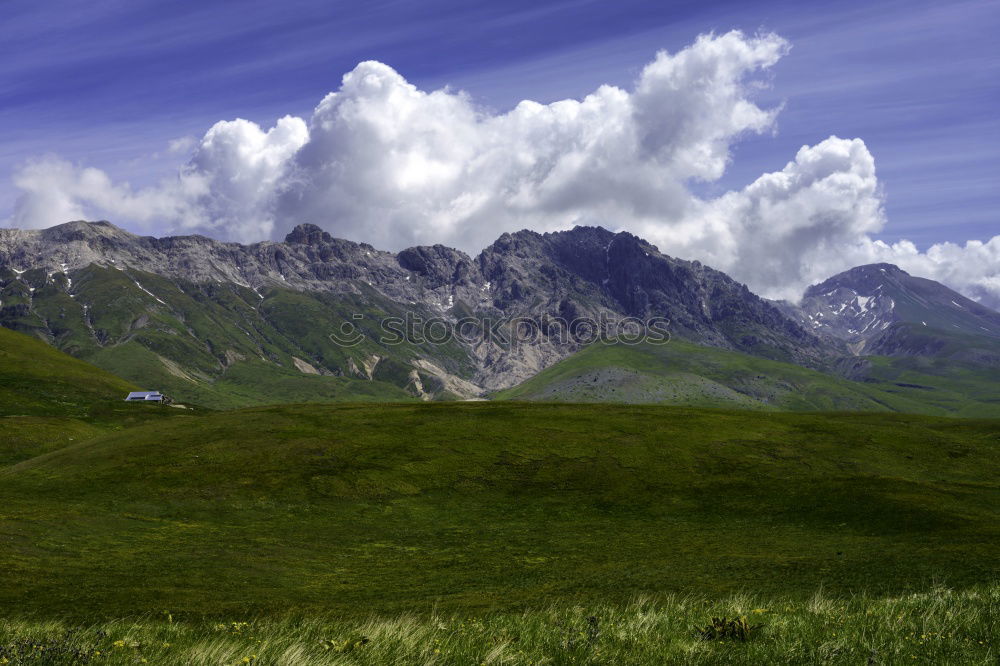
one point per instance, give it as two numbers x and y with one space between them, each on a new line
819 135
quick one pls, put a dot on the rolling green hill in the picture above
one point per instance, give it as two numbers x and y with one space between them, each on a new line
959 377
37 380
49 399
681 373
384 508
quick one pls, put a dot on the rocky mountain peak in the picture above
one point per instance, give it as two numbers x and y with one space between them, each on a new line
308 234
865 306
81 230
862 279
590 270
583 235
438 264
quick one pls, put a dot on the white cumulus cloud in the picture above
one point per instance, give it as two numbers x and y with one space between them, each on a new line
382 161
225 190
787 228
397 166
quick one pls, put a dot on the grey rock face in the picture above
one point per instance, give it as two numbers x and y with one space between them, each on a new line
590 271
440 266
543 279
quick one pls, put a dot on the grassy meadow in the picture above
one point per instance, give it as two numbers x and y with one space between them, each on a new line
494 506
491 532
940 626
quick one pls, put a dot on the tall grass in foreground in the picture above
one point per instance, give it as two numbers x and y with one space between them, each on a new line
937 627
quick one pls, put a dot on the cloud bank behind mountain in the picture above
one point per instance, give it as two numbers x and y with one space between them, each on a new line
383 162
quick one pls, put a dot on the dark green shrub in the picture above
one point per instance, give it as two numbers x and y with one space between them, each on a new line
721 629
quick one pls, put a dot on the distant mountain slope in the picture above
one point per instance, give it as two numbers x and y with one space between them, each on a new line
911 332
862 305
215 344
226 324
680 373
917 347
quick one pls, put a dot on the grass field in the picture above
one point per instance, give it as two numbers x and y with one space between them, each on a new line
936 627
492 506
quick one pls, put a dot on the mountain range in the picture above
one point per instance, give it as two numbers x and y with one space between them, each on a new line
224 325
876 308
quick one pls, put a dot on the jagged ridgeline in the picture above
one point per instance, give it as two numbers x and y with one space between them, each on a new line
225 324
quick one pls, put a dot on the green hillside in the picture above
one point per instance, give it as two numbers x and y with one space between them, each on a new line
252 382
37 380
386 508
962 384
682 373
223 345
49 399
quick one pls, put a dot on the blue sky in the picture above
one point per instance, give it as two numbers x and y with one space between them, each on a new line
110 83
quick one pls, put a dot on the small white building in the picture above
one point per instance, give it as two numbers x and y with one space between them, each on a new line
144 396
